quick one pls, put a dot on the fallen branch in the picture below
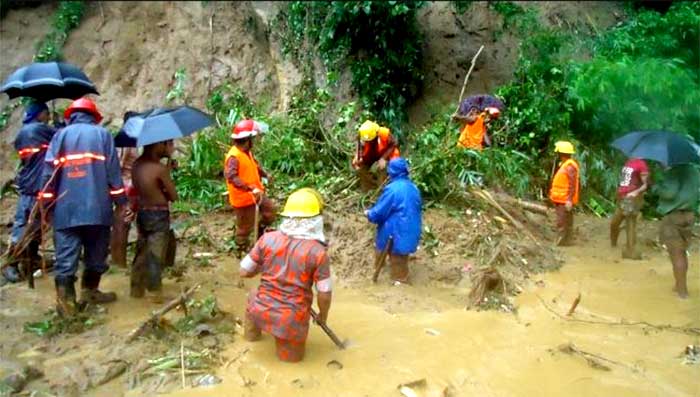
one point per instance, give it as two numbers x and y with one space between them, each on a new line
573 305
661 327
466 78
524 204
486 196
594 361
155 317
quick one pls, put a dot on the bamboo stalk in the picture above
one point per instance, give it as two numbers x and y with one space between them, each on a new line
466 78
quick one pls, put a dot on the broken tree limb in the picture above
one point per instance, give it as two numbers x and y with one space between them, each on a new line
466 78
573 305
524 204
594 361
486 196
156 315
660 327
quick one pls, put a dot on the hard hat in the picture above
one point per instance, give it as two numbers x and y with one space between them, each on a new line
244 129
302 204
83 104
564 147
368 130
315 193
383 133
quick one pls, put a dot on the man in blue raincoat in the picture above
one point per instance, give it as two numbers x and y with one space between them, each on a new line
82 167
31 144
397 215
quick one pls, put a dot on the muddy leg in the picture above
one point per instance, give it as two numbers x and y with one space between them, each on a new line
138 269
399 269
631 232
367 181
118 241
245 219
679 261
615 223
251 332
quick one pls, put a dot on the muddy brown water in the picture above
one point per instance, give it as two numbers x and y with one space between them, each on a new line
402 334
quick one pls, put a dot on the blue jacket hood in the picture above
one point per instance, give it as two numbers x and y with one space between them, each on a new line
79 117
398 168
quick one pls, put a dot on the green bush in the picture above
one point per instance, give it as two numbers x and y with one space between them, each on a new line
378 41
66 18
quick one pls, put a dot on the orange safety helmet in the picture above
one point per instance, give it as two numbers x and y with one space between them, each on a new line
244 129
85 105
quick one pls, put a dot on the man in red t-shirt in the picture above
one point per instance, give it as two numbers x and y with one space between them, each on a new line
634 181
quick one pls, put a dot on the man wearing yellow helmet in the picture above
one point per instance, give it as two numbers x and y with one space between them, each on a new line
564 191
375 144
290 261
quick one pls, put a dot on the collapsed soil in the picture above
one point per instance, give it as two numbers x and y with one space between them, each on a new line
407 328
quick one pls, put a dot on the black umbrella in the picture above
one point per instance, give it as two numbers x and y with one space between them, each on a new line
665 147
161 124
48 80
480 102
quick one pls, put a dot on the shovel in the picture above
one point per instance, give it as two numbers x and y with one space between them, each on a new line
256 222
381 260
328 331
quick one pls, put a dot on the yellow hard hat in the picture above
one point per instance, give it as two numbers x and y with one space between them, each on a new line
565 147
368 130
315 193
302 203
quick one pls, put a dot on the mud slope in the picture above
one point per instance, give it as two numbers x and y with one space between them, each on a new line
452 39
20 31
132 50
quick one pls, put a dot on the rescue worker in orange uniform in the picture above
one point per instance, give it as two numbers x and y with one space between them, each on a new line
244 183
564 191
375 145
474 132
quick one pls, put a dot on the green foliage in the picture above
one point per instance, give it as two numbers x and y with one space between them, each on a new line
613 97
378 41
199 311
461 6
177 91
54 324
66 18
508 10
673 35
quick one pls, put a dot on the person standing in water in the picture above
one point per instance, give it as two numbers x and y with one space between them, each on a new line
155 189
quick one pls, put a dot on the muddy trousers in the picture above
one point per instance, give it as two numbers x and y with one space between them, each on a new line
245 222
368 180
119 240
676 233
565 225
93 240
628 211
286 350
152 251
399 267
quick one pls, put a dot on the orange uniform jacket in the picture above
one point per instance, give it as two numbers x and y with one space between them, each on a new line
561 184
472 135
248 173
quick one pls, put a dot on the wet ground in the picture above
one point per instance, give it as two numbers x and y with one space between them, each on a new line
402 334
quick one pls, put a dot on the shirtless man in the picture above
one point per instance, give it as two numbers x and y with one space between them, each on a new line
156 190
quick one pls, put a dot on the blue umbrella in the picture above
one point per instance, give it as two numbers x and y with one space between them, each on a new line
665 147
161 124
48 80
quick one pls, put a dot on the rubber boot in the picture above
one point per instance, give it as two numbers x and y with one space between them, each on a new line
614 234
89 292
66 306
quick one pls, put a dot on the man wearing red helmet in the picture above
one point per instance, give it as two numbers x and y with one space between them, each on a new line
84 180
244 184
